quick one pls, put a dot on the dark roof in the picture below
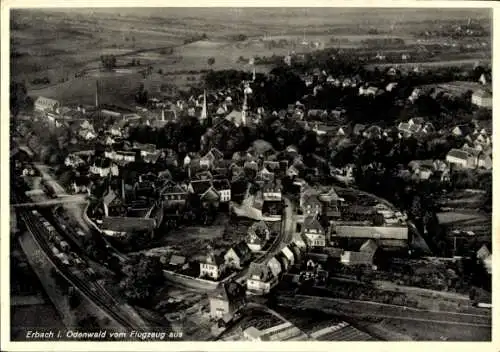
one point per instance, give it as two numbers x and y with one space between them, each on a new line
482 93
369 246
200 187
214 154
221 184
229 291
177 260
312 222
127 224
109 198
242 251
215 259
457 153
262 271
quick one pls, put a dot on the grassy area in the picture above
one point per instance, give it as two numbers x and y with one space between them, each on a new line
428 331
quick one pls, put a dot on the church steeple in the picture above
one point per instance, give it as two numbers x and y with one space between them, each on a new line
203 116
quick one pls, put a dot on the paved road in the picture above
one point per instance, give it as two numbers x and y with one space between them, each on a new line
284 237
361 309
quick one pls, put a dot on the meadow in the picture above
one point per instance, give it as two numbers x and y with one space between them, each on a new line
61 43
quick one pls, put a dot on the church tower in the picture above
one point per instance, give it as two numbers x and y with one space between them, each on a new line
203 116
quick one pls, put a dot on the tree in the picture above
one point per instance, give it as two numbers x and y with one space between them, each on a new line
142 275
18 97
108 61
211 61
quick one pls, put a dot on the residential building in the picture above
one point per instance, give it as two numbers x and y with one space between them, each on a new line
372 132
275 266
73 160
288 254
226 300
314 232
462 158
223 187
365 256
482 98
237 256
177 261
205 191
174 195
210 158
260 279
272 191
212 266
43 104
103 167
309 203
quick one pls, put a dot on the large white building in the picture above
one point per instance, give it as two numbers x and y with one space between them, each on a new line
482 98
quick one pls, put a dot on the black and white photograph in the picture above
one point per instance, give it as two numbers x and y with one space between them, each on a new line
255 174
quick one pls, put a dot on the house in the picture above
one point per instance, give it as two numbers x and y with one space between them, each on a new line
391 86
43 104
226 299
292 171
73 160
416 121
209 159
205 191
174 195
272 191
309 203
365 256
177 261
373 132
275 266
288 254
457 131
264 175
314 232
223 187
461 158
260 279
358 129
237 256
87 134
482 98
81 185
484 255
103 167
258 234
212 266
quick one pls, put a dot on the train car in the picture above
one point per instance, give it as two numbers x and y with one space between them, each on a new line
90 272
55 251
64 259
79 263
64 246
80 233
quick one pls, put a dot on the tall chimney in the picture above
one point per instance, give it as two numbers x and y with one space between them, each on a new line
163 114
123 189
97 94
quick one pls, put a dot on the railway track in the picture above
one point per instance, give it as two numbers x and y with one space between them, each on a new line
95 293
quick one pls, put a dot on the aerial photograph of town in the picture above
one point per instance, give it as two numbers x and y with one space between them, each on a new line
250 174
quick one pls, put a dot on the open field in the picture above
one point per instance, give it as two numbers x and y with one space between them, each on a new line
59 43
429 331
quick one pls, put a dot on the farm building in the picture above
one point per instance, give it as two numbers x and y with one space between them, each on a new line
46 104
